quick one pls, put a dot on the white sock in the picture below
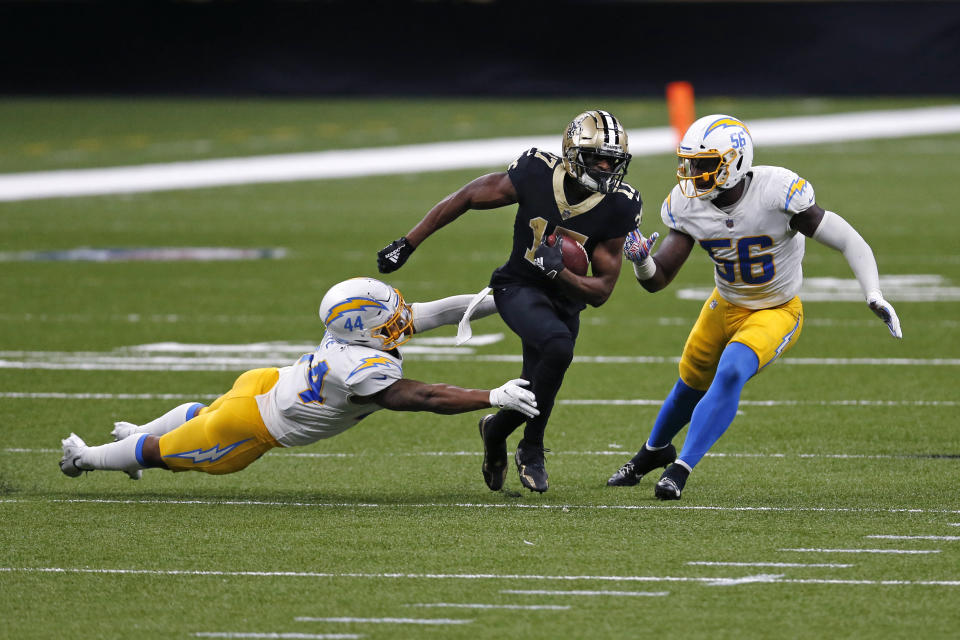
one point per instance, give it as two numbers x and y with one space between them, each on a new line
170 420
436 313
114 456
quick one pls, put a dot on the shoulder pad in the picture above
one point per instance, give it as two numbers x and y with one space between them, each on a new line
381 363
629 191
534 158
785 190
674 200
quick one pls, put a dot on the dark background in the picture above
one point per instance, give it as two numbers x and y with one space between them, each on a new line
494 48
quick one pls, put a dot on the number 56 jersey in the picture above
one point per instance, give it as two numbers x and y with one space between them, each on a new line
312 397
757 255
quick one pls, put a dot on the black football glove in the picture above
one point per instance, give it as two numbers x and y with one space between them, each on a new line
392 256
550 259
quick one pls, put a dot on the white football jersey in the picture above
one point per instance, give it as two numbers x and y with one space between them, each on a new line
312 398
757 254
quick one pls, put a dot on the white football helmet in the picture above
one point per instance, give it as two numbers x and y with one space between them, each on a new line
595 134
715 154
368 312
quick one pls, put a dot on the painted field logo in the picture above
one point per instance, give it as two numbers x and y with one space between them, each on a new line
145 254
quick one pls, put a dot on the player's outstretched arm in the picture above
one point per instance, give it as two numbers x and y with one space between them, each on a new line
828 228
654 272
410 395
436 313
486 192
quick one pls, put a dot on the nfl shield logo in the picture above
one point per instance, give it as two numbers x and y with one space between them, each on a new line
729 223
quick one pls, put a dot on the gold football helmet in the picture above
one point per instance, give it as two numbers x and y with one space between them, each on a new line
595 151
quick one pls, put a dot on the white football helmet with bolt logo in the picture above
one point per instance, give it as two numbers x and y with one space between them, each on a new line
714 155
591 136
367 312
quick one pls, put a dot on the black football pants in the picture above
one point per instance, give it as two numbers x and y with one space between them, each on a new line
548 333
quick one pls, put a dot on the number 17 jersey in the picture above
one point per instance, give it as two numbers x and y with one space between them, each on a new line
538 178
757 255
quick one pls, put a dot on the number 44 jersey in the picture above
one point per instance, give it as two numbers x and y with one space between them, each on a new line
757 255
312 399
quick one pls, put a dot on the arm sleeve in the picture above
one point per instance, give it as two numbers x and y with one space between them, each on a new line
436 313
836 233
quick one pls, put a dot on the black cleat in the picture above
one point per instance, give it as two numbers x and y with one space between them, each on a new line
494 458
641 464
671 483
531 466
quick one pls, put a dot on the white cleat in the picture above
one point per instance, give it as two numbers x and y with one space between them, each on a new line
70 462
122 430
135 474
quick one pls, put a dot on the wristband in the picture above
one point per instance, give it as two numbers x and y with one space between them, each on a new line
645 269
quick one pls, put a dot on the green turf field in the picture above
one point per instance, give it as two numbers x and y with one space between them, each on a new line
852 436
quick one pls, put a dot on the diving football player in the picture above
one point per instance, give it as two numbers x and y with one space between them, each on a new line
356 370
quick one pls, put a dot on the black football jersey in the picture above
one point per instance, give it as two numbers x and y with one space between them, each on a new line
538 178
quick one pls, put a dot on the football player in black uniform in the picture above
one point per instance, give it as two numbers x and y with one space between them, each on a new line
580 195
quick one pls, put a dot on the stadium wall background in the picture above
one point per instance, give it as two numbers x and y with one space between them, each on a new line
489 48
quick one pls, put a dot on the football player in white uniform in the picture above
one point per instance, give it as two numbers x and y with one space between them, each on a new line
752 220
355 371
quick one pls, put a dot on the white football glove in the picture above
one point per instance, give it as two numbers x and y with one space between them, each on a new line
637 248
511 395
885 312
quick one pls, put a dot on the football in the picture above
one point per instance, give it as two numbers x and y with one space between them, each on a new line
574 255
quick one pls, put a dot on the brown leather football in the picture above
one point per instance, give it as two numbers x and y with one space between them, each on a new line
574 255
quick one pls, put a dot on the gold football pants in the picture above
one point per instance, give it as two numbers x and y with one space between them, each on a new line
768 332
226 436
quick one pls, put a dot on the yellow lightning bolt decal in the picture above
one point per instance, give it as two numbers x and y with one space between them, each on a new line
795 187
374 361
726 122
351 304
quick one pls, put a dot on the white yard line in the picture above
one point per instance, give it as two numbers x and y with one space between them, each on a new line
456 576
471 454
948 538
57 395
427 621
493 505
582 592
774 403
60 395
136 362
444 156
891 551
518 607
779 565
291 635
